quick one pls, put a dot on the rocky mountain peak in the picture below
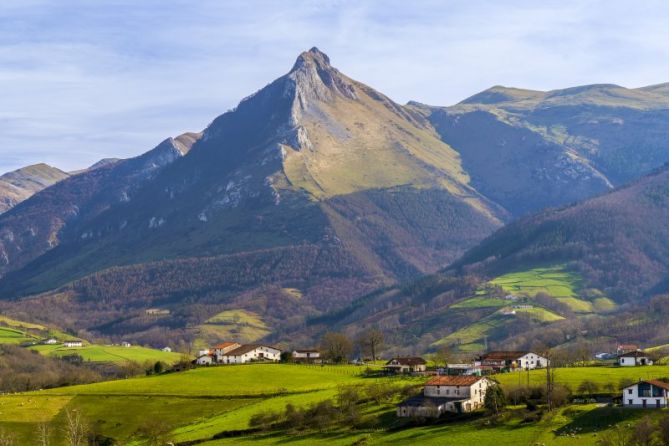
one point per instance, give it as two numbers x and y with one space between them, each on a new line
315 78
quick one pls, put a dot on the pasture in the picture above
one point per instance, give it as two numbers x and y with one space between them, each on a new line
109 353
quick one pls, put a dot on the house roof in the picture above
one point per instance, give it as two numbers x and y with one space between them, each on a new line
408 361
634 354
658 383
245 349
453 380
307 350
225 345
503 355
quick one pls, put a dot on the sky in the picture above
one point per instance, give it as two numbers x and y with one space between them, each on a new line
83 80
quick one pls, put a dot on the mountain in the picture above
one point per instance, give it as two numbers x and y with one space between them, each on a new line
527 150
23 183
311 192
52 216
617 242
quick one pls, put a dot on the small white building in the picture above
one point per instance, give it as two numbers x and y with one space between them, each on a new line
205 359
50 341
126 344
306 355
251 353
646 394
71 344
456 394
406 365
166 350
513 360
635 358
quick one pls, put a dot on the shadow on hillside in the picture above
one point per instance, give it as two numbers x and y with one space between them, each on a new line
597 419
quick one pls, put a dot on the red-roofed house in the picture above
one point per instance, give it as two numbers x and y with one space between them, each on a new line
251 353
443 394
221 349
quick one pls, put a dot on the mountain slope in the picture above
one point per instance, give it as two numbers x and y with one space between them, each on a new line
528 150
23 183
51 216
618 242
314 166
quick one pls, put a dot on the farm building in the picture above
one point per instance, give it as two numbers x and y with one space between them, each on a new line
406 365
634 358
466 369
511 360
456 394
204 359
70 344
306 355
50 341
646 394
625 348
251 353
166 350
126 344
221 349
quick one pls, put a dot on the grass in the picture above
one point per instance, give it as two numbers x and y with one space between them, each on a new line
556 281
201 403
239 325
110 353
13 336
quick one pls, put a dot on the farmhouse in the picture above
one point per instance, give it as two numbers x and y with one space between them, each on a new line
644 394
406 365
204 358
166 350
126 344
250 353
634 358
50 341
306 355
456 394
221 349
512 360
624 348
70 344
467 369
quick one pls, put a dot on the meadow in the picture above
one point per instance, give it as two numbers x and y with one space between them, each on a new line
109 353
204 403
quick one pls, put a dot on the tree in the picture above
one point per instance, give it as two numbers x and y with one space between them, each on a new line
43 434
156 432
443 355
663 431
588 387
336 347
75 428
643 433
495 399
370 341
7 438
618 436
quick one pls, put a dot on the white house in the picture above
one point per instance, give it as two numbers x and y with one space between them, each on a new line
70 344
306 355
646 394
406 365
634 358
204 359
512 360
50 341
221 349
126 344
251 353
166 350
441 394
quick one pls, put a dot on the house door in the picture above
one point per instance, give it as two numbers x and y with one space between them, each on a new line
643 403
657 403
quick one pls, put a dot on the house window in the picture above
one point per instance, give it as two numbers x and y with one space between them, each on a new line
629 402
629 391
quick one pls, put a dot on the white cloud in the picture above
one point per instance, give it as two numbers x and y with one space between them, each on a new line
83 80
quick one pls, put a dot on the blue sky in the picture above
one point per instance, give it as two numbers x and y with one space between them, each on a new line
82 80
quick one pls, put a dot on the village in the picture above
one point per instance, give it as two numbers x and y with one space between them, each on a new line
457 387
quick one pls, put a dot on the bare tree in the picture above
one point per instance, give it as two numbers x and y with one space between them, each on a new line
156 432
75 428
443 355
43 434
370 341
336 347
644 432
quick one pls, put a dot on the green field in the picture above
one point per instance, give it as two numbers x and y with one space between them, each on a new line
557 282
109 353
201 403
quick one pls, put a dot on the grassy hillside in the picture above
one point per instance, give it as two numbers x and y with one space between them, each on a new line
199 404
110 353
